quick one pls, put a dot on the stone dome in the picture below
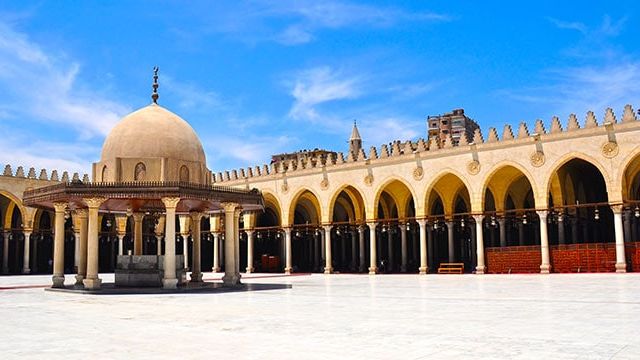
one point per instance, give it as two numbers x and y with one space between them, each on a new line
153 132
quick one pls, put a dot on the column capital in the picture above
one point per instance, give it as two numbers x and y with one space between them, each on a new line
94 202
542 214
60 207
361 229
372 225
196 216
229 206
249 232
327 228
170 202
287 230
81 213
478 217
617 208
422 222
138 216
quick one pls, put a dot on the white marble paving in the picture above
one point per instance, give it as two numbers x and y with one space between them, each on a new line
558 316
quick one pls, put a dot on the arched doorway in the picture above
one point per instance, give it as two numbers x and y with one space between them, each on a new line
511 227
580 215
306 215
449 234
349 247
268 246
393 211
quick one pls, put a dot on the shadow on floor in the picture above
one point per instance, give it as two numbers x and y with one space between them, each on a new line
202 288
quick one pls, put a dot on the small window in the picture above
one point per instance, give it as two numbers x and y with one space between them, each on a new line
184 174
105 173
140 172
445 122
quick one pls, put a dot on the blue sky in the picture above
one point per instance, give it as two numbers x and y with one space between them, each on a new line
262 77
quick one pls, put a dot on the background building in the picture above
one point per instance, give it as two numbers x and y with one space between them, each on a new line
454 123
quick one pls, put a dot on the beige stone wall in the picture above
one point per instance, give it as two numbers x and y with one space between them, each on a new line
610 145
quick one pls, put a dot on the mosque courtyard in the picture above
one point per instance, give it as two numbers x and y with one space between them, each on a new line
558 316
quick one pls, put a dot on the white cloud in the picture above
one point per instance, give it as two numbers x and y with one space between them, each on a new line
377 131
570 25
44 87
189 96
320 85
47 155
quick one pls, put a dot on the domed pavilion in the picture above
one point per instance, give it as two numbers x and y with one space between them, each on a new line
152 163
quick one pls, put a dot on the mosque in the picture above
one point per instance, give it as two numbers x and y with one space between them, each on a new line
564 197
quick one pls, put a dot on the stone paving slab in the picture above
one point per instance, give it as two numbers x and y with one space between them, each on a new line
558 316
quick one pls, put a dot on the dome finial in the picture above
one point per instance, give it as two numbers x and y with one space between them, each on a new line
154 95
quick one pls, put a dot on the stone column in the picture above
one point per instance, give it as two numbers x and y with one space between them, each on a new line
216 252
403 246
316 251
430 252
373 257
451 248
545 267
520 234
561 240
231 267
354 250
159 244
328 265
25 255
424 266
480 268
196 269
390 249
185 248
322 250
58 245
170 281
83 234
287 251
249 268
5 252
76 243
503 232
92 281
121 243
362 265
137 233
621 261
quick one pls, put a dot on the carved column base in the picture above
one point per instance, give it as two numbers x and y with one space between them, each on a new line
480 270
215 269
26 271
328 270
79 279
58 281
423 270
288 270
196 277
545 269
621 267
373 270
169 283
231 280
92 284
250 269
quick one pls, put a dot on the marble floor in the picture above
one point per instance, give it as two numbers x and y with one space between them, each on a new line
559 316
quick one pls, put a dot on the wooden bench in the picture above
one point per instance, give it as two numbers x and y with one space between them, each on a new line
451 268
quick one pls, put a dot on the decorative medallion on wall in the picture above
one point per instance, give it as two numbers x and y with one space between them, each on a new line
284 187
610 149
324 184
418 173
368 180
537 159
473 167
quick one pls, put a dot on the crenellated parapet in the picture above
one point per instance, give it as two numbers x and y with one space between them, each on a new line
443 146
43 175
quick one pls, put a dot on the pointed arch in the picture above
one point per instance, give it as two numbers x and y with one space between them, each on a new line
399 190
565 159
447 186
356 199
309 201
500 180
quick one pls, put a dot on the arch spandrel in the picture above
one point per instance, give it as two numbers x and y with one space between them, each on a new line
628 170
274 203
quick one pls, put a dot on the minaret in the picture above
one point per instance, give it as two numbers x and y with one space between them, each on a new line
355 141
